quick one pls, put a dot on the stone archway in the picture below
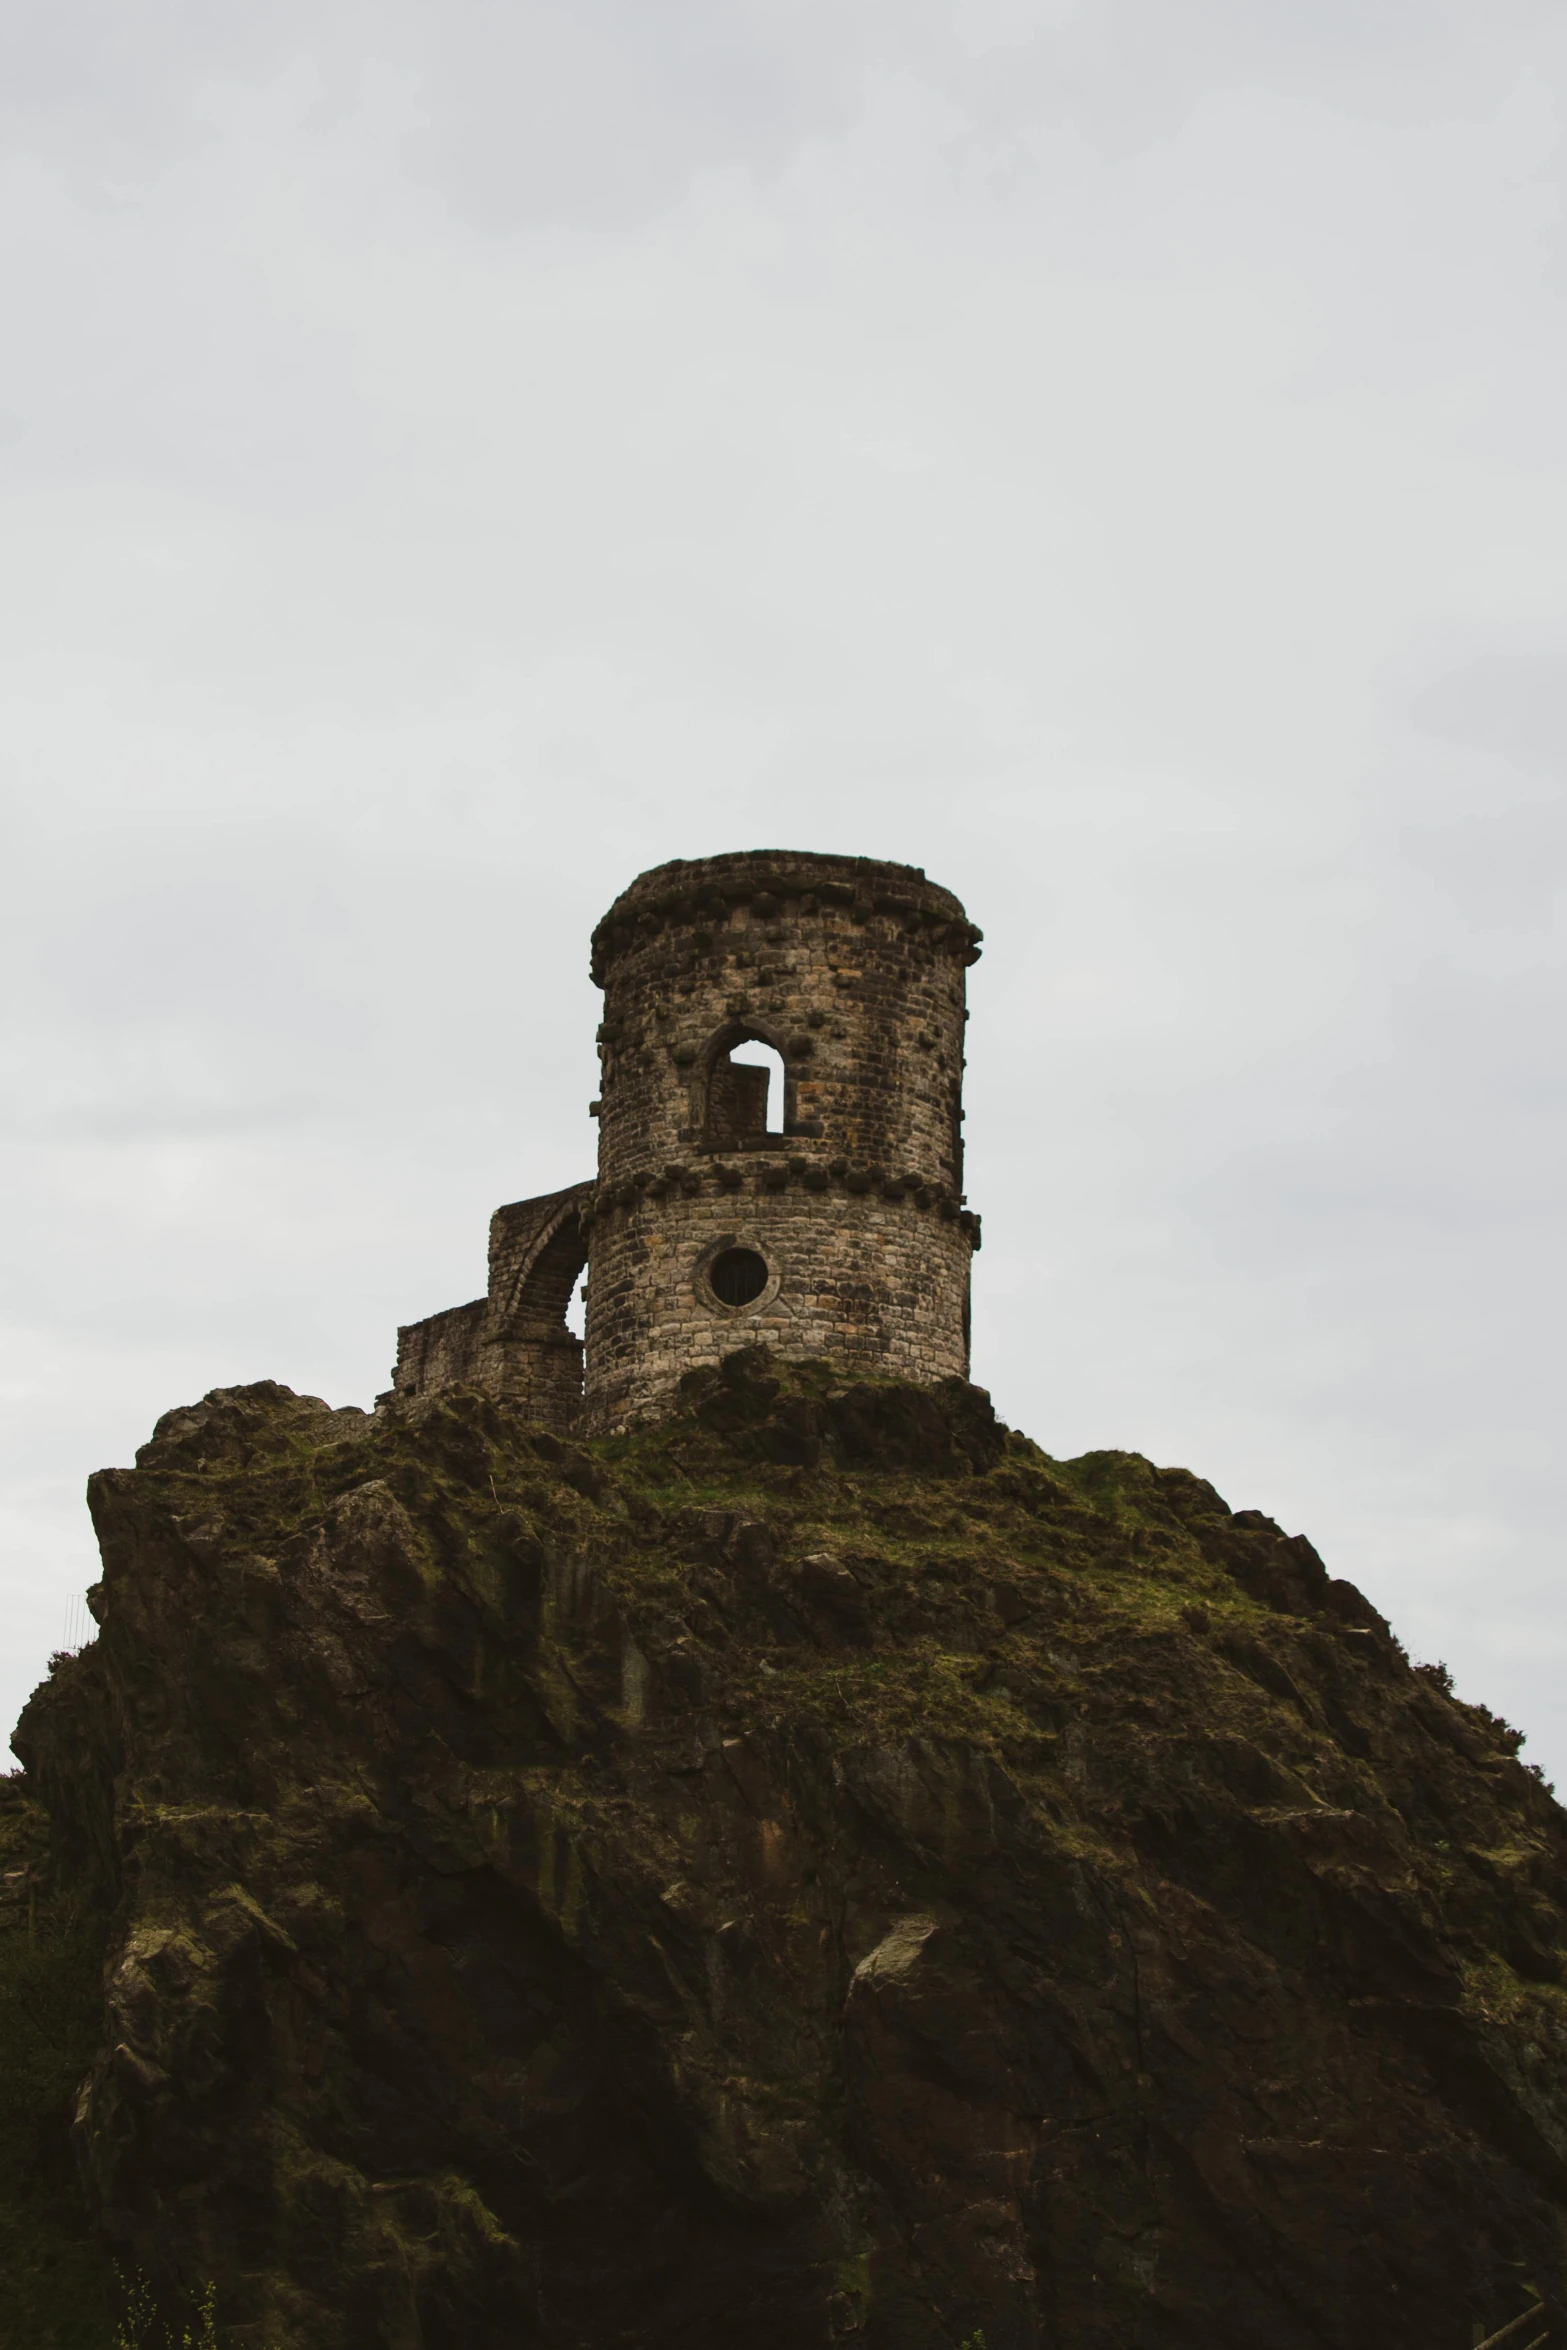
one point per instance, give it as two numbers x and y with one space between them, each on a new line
528 1354
514 1343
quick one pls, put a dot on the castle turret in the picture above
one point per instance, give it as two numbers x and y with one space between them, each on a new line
821 1215
837 1229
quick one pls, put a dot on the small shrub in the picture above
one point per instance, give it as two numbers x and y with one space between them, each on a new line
136 2317
139 2320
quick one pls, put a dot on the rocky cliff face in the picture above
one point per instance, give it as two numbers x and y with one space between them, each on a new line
815 1871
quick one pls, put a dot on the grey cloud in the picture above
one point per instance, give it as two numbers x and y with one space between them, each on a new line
1033 457
1512 702
601 112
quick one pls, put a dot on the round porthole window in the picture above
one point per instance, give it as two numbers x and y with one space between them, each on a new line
737 1276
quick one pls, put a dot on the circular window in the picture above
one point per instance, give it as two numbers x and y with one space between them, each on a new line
737 1276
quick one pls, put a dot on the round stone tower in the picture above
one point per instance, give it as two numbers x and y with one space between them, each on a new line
840 1231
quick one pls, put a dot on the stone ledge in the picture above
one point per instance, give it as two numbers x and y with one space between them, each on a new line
722 1177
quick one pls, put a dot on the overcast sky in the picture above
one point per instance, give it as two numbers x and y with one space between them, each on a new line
1112 453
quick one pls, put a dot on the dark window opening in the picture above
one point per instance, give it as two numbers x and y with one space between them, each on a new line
737 1276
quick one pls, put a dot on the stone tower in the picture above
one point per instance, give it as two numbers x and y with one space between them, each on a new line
841 1231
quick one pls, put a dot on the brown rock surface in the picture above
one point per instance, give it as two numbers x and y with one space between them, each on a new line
813 1871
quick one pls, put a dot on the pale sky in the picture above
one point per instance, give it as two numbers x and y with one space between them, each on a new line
1111 454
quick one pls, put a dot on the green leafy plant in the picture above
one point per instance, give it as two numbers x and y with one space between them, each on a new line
136 2317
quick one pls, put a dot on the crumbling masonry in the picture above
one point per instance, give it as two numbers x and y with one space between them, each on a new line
843 1233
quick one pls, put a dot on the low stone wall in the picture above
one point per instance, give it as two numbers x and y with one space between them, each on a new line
441 1351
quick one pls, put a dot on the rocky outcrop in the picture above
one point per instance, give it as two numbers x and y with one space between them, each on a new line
52 2278
813 1871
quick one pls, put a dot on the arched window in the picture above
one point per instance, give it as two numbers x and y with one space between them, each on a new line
745 1093
753 1054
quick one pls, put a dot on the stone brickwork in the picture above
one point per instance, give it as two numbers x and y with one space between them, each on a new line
513 1342
843 1233
443 1351
854 972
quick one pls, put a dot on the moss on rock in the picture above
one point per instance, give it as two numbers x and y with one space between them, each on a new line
816 1869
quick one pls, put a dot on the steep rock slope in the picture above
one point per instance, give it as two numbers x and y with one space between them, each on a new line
814 1871
51 1949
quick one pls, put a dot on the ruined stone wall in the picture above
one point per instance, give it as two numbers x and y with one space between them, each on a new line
854 972
514 1342
442 1351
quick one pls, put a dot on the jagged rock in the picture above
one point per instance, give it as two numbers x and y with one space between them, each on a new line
814 1871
